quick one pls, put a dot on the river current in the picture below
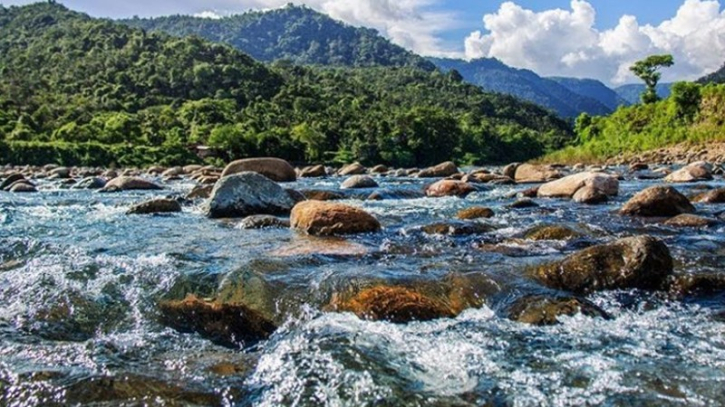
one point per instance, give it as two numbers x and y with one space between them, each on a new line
80 281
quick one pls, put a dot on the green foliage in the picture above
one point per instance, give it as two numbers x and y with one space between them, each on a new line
693 113
295 34
124 94
647 70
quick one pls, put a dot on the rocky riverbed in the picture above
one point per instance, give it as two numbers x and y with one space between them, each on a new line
264 284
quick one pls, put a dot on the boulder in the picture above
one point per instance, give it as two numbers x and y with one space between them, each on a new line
189 169
352 169
172 172
322 195
295 195
541 310
263 222
314 171
568 186
523 203
393 304
22 187
449 188
481 178
662 201
690 220
697 171
445 169
387 194
510 170
273 168
457 228
90 183
475 212
529 173
125 183
551 232
60 172
700 284
379 169
248 193
10 179
590 195
200 192
711 197
155 206
325 218
359 181
636 262
226 324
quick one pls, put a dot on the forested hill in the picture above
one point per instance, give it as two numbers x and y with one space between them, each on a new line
593 89
298 34
495 76
715 77
67 80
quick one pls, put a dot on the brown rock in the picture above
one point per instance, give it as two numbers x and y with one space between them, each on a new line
539 310
657 201
590 196
449 188
125 183
711 197
225 324
689 220
510 170
698 284
636 262
200 192
697 171
445 169
379 169
325 218
155 206
523 203
352 169
475 212
322 195
529 173
11 179
394 304
22 187
551 232
457 228
314 171
359 181
273 168
568 186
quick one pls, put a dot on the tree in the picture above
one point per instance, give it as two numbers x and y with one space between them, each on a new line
647 70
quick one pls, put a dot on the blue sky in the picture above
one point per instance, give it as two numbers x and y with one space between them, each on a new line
579 38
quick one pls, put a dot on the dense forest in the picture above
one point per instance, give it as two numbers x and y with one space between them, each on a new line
692 113
297 34
715 77
78 90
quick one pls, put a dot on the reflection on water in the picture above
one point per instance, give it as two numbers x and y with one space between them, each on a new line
80 282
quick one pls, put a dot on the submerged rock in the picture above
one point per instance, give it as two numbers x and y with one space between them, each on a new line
523 203
657 201
226 324
393 304
551 232
248 193
449 188
689 220
454 228
711 197
700 284
275 169
540 310
325 218
445 169
126 183
155 206
475 212
388 194
325 246
635 262
359 181
262 222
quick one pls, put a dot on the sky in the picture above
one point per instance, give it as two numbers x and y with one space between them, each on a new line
597 39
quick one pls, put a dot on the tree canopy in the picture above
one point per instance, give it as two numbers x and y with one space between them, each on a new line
648 70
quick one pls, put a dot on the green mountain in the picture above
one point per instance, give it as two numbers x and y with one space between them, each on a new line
715 77
592 89
632 92
78 90
297 34
495 76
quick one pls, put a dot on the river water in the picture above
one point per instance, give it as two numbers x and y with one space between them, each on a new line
80 282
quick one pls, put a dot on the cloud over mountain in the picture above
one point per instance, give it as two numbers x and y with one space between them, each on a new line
567 43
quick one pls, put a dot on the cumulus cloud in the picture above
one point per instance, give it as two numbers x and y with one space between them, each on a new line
209 14
566 42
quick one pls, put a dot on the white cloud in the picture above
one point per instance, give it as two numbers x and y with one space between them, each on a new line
209 14
566 42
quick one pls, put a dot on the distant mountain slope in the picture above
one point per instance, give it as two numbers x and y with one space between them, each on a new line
593 89
715 77
298 34
495 76
632 92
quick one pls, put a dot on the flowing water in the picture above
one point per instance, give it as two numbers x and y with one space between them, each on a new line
80 282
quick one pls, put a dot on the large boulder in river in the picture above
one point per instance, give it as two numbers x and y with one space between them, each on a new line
698 171
124 183
326 218
530 173
567 187
636 262
657 201
393 304
226 324
11 179
445 169
590 195
359 181
248 193
449 188
155 206
275 169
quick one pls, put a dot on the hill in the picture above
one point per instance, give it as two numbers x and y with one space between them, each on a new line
495 76
715 77
592 89
78 90
298 34
632 92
